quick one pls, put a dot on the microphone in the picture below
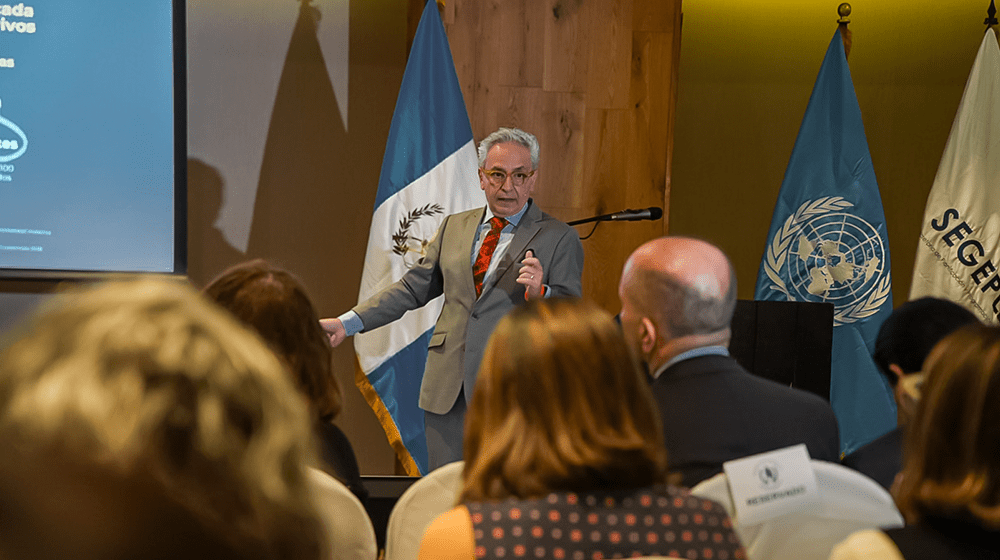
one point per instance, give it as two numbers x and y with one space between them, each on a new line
627 215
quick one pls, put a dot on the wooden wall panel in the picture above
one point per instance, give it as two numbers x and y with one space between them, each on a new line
595 81
671 118
463 22
520 106
565 50
652 70
560 133
609 34
517 59
605 158
655 16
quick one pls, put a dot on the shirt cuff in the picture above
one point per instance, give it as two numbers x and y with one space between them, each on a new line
352 323
546 292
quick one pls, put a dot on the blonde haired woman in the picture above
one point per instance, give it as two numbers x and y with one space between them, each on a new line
140 421
564 455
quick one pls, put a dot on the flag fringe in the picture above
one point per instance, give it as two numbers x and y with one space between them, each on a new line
384 418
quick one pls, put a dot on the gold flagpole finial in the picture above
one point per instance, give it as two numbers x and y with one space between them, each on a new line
844 10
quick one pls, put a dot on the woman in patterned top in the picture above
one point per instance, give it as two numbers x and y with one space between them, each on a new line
564 453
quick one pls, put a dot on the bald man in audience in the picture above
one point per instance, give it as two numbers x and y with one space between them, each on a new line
678 295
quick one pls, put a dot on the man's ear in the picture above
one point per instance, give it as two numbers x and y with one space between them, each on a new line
647 336
897 371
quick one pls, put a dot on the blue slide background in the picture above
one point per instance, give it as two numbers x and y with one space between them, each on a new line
92 89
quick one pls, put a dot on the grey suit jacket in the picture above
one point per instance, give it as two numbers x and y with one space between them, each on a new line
466 322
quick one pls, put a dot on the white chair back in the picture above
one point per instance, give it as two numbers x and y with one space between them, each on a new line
849 502
422 502
348 530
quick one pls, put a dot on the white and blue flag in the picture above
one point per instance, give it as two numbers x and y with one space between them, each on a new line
428 172
828 243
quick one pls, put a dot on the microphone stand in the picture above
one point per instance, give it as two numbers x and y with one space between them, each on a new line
601 218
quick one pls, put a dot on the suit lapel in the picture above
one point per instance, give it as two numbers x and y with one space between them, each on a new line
525 232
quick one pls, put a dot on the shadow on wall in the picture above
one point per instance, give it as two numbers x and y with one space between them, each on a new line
300 196
313 202
208 251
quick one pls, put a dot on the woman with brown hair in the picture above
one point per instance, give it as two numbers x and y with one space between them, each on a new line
274 303
563 452
949 488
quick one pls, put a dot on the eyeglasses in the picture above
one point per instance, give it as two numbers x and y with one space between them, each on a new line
498 177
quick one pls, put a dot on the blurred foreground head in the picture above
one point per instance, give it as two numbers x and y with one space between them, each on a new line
560 405
951 465
139 421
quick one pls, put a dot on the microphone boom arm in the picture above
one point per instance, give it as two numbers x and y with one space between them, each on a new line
629 215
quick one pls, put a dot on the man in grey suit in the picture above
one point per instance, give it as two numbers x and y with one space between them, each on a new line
471 261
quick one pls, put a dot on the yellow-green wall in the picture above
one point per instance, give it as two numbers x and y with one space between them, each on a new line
746 72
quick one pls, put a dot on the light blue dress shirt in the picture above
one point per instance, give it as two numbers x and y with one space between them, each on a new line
693 353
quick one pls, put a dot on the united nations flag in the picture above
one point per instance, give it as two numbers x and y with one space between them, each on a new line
828 243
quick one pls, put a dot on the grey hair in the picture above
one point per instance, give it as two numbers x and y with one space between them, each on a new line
502 135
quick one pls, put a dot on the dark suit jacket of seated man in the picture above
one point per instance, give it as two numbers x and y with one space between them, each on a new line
533 255
678 296
715 411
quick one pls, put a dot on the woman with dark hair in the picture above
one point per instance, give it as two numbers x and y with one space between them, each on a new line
949 488
564 455
274 303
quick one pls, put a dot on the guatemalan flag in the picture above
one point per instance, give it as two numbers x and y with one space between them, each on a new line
429 171
828 243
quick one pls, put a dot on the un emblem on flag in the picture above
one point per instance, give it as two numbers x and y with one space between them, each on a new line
823 253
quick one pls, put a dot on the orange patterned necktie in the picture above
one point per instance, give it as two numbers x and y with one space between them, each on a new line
486 252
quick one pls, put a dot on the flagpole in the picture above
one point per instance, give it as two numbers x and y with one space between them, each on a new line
991 16
828 192
844 10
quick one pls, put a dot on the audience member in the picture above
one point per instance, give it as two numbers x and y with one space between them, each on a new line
564 455
274 303
678 295
949 488
139 421
903 342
